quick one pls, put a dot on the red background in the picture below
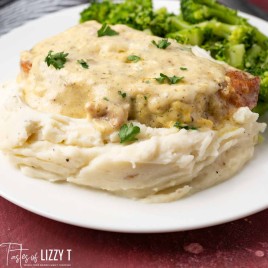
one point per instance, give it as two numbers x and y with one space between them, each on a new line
242 243
263 4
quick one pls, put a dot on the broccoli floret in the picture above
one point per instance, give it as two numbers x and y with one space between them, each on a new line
97 11
192 36
233 34
235 55
231 39
253 57
260 38
235 40
217 49
184 32
177 23
195 11
161 23
225 42
136 14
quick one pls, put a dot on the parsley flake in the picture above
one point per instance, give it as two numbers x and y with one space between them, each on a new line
128 133
83 63
171 80
183 68
134 58
122 94
162 44
105 98
106 30
184 126
57 59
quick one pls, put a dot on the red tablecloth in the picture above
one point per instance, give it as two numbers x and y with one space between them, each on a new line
242 243
262 4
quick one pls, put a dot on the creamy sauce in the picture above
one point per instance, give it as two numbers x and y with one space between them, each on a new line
53 122
93 93
164 165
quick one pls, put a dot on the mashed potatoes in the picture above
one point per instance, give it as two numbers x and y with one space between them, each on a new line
49 134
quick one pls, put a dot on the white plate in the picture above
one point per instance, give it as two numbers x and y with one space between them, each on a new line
240 196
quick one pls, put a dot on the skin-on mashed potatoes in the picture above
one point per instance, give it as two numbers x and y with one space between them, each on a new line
120 110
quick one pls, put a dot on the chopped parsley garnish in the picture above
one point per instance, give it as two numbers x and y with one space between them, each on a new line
122 94
105 98
57 59
183 68
134 58
83 63
128 133
170 79
145 97
162 44
184 126
106 30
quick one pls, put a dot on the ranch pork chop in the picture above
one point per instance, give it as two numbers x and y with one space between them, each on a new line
127 76
119 110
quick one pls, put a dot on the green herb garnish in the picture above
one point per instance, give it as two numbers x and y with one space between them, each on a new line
106 30
170 79
57 59
83 63
122 94
162 44
184 126
183 68
145 97
105 98
128 133
133 58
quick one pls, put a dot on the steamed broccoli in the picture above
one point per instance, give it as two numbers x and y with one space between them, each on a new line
192 36
226 42
234 34
235 39
136 14
97 11
229 38
160 24
195 11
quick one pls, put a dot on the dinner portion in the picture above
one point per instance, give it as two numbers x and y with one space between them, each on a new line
120 110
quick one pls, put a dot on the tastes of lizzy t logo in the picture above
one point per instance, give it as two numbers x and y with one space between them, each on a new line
15 255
